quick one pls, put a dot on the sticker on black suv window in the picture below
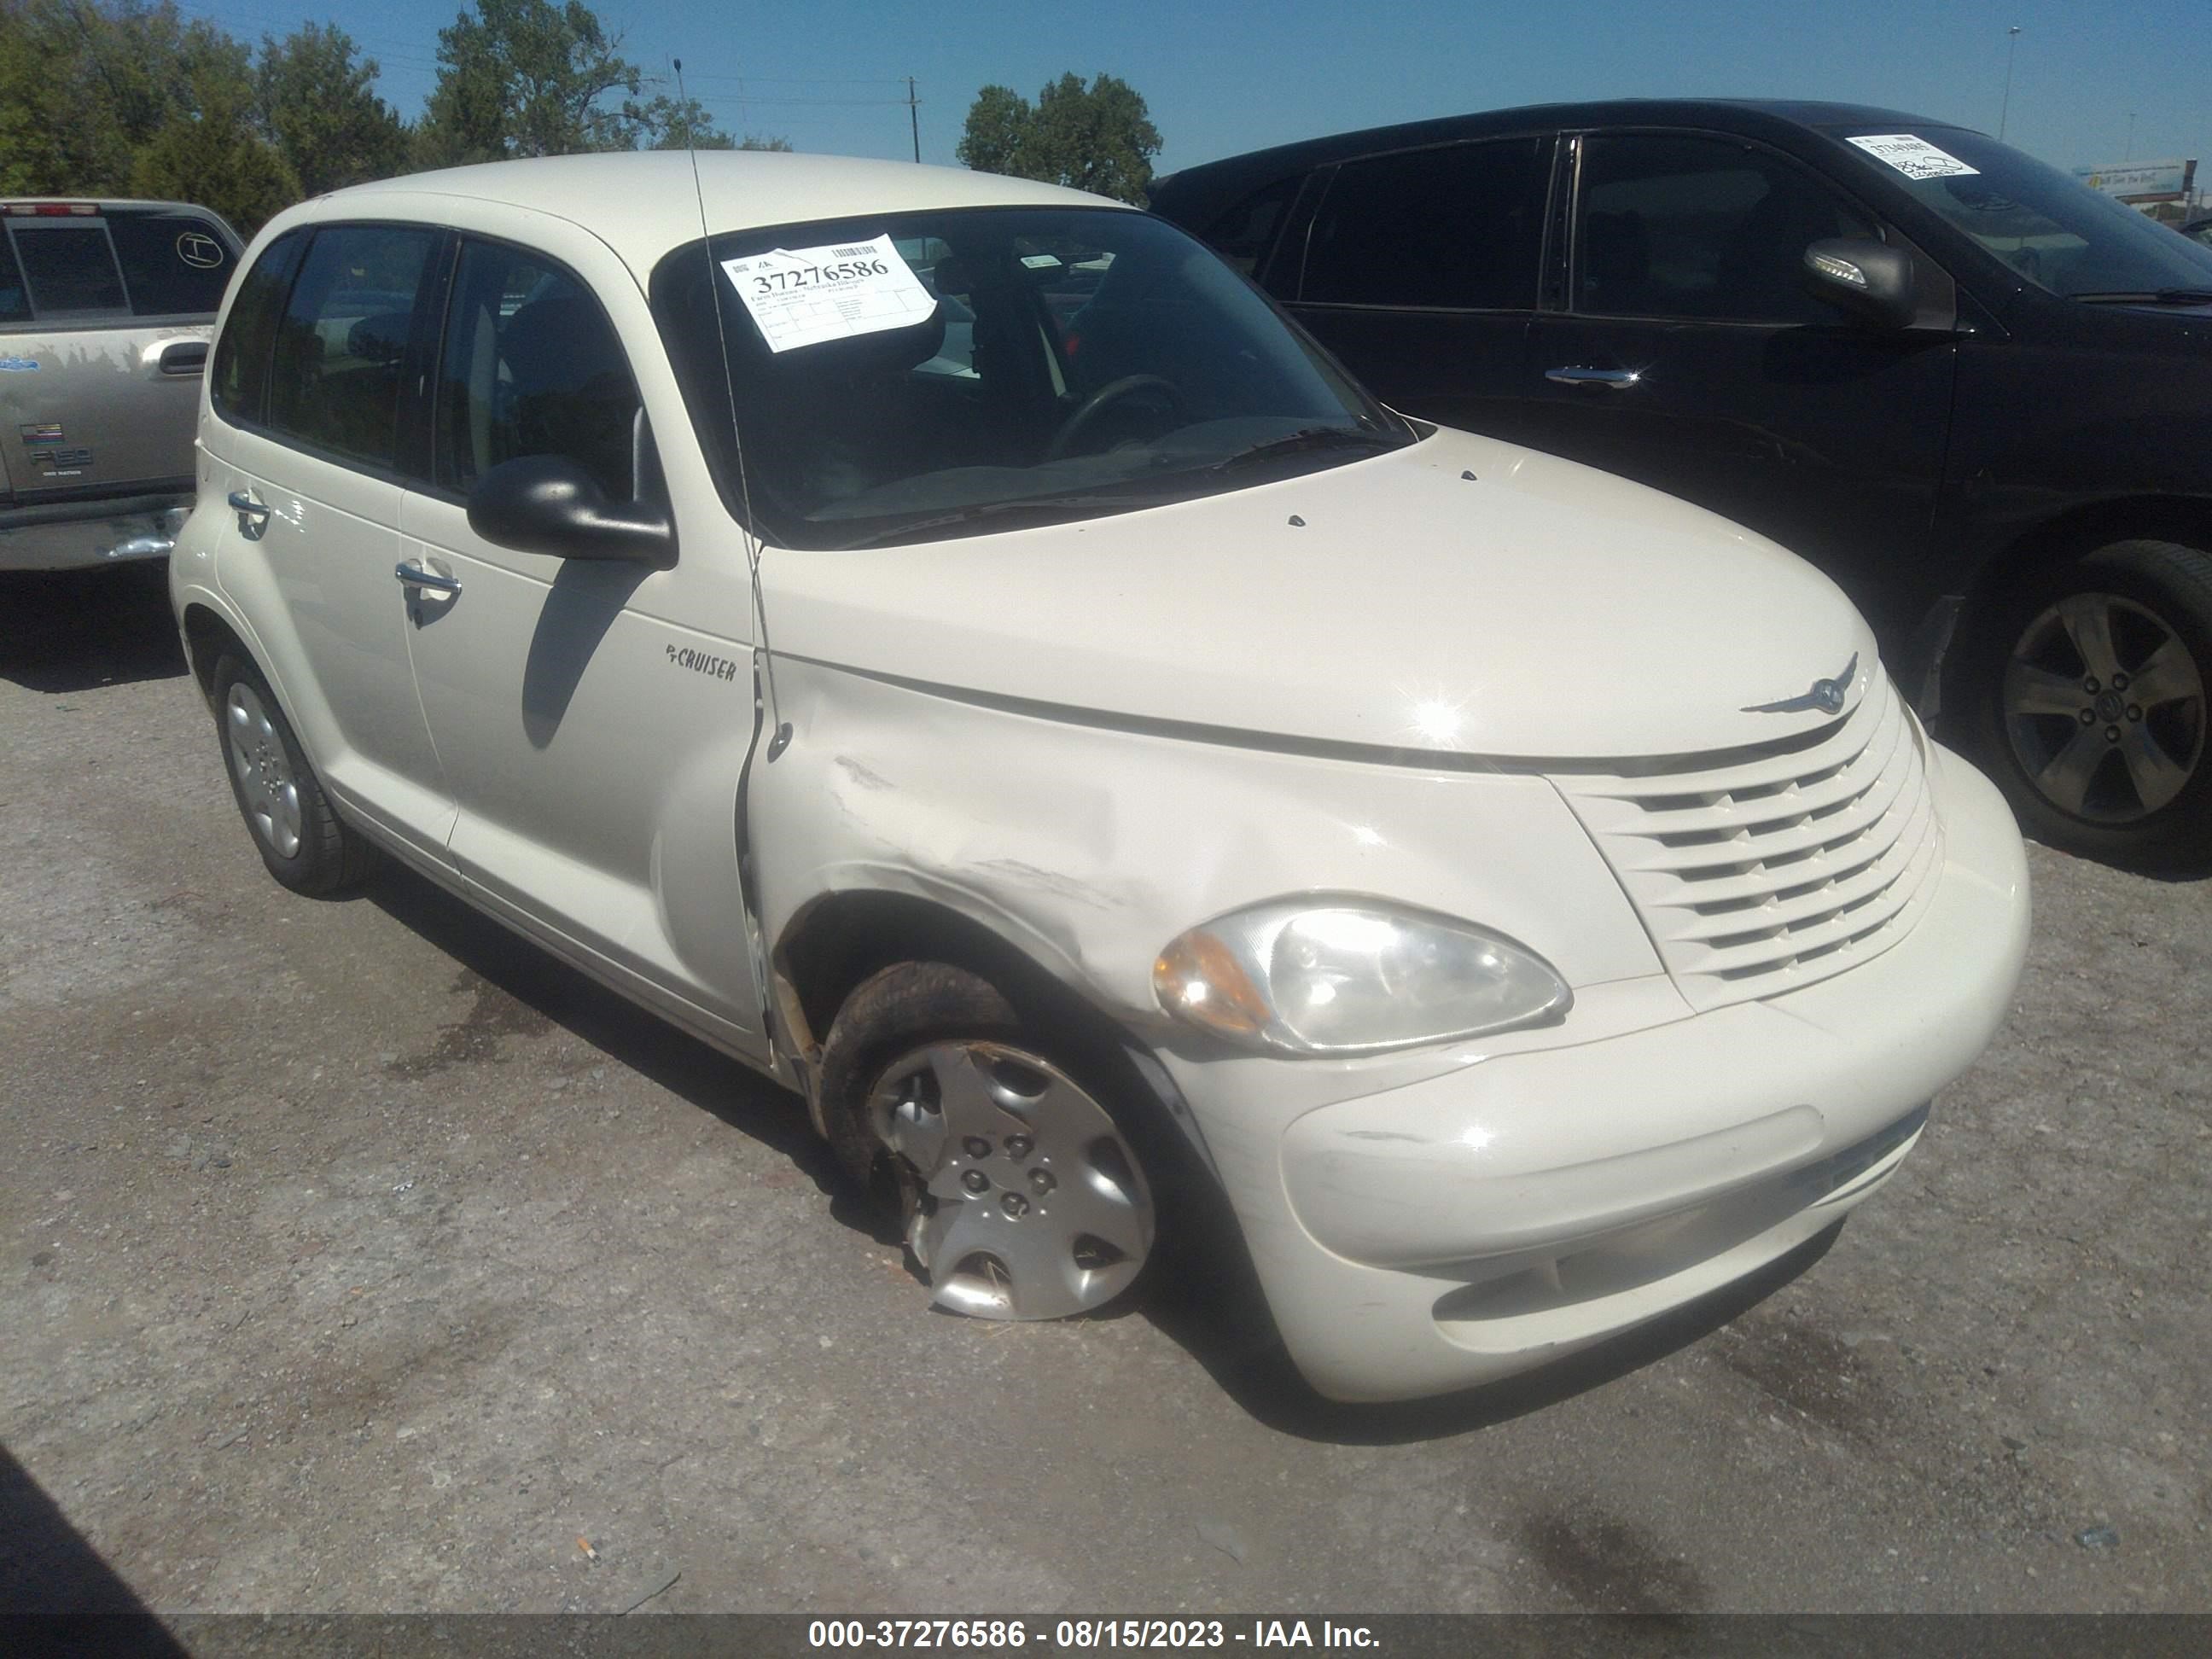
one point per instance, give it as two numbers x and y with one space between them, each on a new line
1915 158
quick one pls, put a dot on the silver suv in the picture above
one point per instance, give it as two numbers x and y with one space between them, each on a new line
105 310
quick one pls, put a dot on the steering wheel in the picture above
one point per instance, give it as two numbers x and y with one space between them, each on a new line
1088 412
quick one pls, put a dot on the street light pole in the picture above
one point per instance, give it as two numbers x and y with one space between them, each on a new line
2130 155
2012 51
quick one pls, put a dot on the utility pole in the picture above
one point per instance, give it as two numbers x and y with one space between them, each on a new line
2012 51
2130 155
913 118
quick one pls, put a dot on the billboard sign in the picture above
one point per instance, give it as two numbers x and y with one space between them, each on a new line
2140 181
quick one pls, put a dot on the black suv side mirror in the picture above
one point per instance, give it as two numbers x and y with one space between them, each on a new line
549 504
1872 282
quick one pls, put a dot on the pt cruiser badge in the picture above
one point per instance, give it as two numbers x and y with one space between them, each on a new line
1827 695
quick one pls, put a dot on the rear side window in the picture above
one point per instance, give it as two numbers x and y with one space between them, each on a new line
1461 227
70 268
1247 231
532 367
15 298
1683 226
239 382
335 376
174 265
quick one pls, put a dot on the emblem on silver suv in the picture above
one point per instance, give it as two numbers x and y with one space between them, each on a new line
1827 695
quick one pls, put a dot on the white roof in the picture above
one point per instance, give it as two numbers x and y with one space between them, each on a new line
643 202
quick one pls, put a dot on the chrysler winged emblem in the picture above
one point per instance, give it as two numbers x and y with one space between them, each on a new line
1827 695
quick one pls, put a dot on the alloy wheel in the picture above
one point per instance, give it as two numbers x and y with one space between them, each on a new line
2103 707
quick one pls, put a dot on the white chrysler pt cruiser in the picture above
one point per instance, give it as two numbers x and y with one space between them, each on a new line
950 643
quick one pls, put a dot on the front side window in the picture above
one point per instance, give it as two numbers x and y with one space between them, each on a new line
1459 226
532 367
174 265
1677 225
334 382
238 382
2039 223
71 268
1062 363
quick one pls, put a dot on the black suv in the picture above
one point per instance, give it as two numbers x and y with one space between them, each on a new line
1973 391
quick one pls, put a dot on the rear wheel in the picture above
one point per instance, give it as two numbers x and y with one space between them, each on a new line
299 836
1021 1188
2093 706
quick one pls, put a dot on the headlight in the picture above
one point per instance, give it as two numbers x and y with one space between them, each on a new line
1333 973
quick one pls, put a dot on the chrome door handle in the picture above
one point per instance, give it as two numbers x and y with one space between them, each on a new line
1580 374
242 502
414 576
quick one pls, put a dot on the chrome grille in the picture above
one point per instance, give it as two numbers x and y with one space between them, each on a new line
1774 867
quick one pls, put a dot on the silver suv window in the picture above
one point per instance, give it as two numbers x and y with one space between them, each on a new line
65 263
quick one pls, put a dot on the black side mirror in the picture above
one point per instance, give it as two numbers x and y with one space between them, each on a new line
548 504
1872 282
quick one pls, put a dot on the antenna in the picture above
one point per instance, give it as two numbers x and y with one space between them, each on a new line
782 737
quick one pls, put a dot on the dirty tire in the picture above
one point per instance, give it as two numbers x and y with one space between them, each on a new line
2154 597
300 838
1026 1241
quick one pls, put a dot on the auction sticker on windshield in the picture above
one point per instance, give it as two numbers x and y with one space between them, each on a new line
804 297
1915 158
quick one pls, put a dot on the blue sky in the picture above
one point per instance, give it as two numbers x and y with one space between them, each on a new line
828 75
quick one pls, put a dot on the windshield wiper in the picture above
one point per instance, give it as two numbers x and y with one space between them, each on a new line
981 510
2156 296
1311 437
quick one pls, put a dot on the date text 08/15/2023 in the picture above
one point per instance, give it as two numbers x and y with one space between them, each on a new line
1083 1634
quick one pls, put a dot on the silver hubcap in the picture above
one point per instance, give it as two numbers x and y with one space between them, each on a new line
2104 708
263 771
1033 1206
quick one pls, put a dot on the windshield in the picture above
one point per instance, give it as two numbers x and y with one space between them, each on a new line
944 373
2042 224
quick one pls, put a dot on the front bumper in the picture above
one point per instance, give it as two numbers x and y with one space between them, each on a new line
1455 1230
103 536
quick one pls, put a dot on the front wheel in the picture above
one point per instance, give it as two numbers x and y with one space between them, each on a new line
1022 1190
2092 706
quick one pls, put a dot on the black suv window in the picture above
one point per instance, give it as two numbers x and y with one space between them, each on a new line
335 380
1459 226
71 268
532 367
1679 225
175 264
239 383
1247 231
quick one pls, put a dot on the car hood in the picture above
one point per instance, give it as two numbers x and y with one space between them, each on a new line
1460 596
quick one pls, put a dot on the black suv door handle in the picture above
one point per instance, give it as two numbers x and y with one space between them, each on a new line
1616 380
414 576
242 502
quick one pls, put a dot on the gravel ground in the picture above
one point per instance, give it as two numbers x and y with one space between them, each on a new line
355 1256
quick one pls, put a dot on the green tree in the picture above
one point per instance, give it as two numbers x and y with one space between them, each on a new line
317 101
667 123
85 87
1099 137
210 153
526 77
994 138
